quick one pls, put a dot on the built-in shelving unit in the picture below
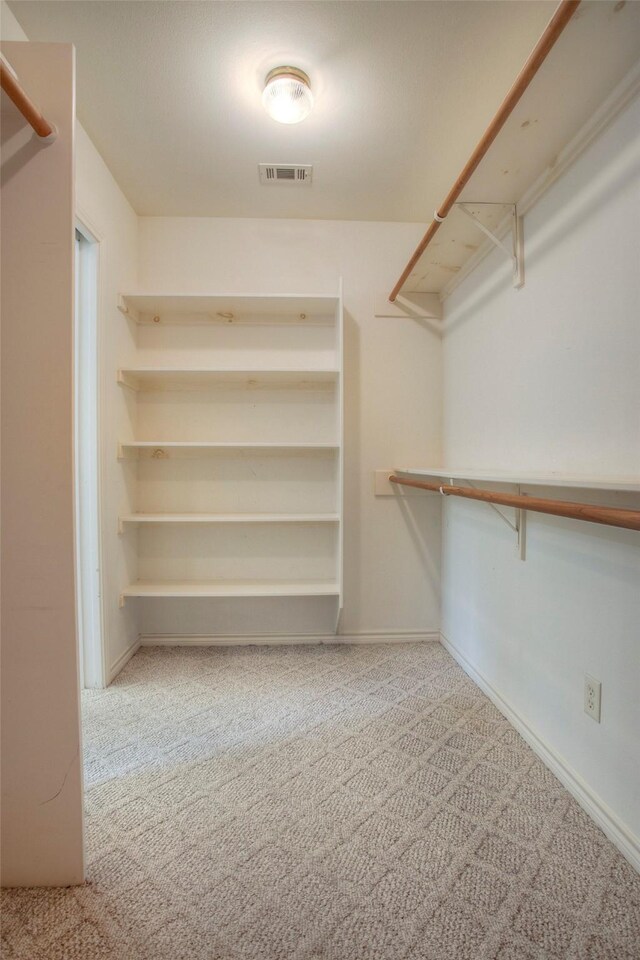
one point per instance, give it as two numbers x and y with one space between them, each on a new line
235 459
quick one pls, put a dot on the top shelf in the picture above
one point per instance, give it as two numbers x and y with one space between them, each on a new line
619 483
561 112
170 308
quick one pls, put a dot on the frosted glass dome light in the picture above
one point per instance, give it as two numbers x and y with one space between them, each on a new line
287 95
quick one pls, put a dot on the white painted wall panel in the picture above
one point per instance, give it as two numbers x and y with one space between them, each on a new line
293 551
227 345
41 755
239 413
548 379
236 482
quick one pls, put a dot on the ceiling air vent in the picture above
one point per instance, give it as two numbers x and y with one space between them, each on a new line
296 174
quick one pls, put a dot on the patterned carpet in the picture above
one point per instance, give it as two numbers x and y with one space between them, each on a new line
336 802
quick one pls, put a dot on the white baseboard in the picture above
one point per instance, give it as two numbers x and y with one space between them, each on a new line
123 660
265 639
619 834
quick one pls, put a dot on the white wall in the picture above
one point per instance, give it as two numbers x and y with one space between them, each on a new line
392 386
41 757
548 379
102 207
10 29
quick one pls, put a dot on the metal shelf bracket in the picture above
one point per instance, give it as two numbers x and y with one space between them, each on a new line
521 529
516 253
519 526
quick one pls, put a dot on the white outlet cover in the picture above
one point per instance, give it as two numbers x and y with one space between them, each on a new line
592 697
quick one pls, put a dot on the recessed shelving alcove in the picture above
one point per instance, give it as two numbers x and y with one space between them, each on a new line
235 459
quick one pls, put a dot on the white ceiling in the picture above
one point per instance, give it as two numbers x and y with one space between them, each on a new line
170 94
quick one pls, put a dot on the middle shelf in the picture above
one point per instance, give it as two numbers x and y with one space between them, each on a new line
228 518
191 378
162 449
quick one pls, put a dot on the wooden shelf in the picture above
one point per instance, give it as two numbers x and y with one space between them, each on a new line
527 478
166 378
135 518
232 588
154 308
163 449
561 112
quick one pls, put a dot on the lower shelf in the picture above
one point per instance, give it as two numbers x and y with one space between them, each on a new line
228 518
162 449
231 588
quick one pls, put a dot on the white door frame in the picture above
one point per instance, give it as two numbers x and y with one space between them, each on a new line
87 418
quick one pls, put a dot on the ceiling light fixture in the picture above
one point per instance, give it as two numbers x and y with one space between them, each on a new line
287 95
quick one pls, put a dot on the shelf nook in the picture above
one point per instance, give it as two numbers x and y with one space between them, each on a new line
236 459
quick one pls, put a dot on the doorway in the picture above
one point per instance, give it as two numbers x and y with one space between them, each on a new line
87 460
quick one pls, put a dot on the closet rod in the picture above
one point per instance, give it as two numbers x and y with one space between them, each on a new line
11 86
612 516
554 28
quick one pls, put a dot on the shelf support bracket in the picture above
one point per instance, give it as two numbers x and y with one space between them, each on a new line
519 527
516 253
512 526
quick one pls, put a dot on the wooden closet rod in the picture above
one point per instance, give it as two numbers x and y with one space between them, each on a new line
554 28
11 86
611 516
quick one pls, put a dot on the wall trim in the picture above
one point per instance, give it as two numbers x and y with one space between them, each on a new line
619 834
123 660
86 225
401 636
623 94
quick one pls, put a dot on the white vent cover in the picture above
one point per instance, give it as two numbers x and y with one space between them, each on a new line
295 174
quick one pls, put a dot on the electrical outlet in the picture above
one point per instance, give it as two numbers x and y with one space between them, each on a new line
592 693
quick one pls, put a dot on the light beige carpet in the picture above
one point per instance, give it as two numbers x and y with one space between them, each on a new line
346 803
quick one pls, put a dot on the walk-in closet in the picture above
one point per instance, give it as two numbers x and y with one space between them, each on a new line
320 479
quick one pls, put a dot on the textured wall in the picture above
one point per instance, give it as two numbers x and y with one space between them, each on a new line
546 379
41 760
